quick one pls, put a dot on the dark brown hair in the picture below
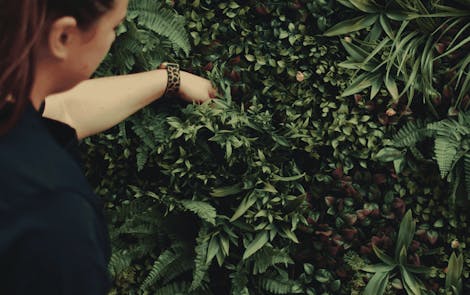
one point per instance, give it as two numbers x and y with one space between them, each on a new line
23 23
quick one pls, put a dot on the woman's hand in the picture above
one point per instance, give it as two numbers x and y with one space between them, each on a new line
195 89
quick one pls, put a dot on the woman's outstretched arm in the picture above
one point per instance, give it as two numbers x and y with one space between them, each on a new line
98 104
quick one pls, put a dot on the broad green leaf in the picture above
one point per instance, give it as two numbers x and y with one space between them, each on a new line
352 25
226 191
377 284
389 154
247 202
392 88
454 271
376 85
405 233
399 164
258 243
212 249
290 234
381 267
412 286
384 257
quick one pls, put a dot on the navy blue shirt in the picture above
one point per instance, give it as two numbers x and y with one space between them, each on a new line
53 235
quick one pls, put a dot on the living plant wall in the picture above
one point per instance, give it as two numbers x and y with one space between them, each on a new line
335 160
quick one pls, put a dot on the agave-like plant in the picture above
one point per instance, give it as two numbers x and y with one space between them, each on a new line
387 268
409 43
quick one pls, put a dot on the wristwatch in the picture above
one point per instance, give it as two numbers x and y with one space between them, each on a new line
174 80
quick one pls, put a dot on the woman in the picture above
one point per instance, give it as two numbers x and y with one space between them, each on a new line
53 238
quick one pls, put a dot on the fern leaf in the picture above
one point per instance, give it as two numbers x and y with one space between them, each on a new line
276 286
239 279
162 20
200 265
466 162
175 288
119 262
410 134
445 151
267 257
159 267
203 210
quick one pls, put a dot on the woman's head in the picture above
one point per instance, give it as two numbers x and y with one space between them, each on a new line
49 46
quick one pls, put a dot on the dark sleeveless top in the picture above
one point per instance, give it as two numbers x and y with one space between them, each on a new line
53 235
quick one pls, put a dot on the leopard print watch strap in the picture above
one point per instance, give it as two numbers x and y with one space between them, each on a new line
174 80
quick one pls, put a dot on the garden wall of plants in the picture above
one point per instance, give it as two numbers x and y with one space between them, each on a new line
335 161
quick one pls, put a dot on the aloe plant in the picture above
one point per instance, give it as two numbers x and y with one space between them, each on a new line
389 266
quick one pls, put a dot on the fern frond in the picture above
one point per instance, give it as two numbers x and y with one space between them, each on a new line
203 210
153 15
200 265
410 134
267 257
179 267
119 262
445 151
239 278
277 286
466 161
161 265
175 288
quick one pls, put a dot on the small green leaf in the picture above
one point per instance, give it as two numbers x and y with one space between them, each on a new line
388 154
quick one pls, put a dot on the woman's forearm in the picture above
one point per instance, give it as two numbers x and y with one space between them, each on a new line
98 104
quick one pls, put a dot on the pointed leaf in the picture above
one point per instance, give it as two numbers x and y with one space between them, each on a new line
377 284
381 267
226 191
410 283
247 202
405 233
351 25
258 243
384 257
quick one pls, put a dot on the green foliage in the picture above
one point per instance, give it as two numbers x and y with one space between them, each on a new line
405 48
272 188
150 28
451 150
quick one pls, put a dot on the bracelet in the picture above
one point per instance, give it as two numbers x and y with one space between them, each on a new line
174 80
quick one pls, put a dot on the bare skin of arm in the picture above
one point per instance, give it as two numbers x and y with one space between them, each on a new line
96 105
